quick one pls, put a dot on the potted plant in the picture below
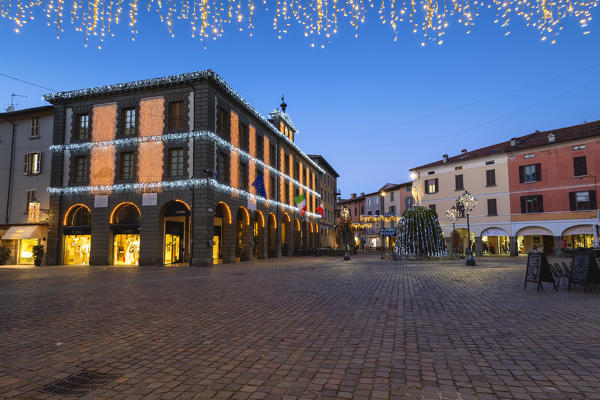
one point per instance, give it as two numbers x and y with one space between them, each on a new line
4 254
38 254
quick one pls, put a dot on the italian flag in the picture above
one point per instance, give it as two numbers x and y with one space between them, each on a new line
320 210
301 203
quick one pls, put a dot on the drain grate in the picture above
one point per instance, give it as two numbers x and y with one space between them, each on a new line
79 384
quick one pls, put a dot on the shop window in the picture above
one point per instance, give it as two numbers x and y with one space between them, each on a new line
130 122
176 116
492 207
490 177
33 163
83 127
532 204
585 200
35 128
458 182
530 173
579 166
126 214
176 163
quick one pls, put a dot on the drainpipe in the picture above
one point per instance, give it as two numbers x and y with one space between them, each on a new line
10 168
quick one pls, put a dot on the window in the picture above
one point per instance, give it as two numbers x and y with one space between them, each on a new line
130 122
362 210
223 123
391 196
531 204
490 177
431 186
32 164
272 155
287 164
409 188
579 166
582 200
393 210
31 196
287 193
127 165
222 167
492 207
272 187
579 147
376 212
296 171
243 176
432 207
491 162
530 173
458 182
458 168
531 155
176 116
356 211
83 126
175 163
369 213
82 169
244 137
35 128
408 202
260 143
431 173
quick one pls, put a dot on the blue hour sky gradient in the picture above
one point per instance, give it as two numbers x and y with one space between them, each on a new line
372 107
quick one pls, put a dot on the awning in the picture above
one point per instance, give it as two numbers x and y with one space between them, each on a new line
23 232
534 231
579 230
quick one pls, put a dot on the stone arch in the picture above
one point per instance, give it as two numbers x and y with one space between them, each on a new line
271 235
175 219
534 238
258 231
77 235
286 235
125 226
297 234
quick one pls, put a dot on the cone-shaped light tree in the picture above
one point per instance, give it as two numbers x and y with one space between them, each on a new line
419 234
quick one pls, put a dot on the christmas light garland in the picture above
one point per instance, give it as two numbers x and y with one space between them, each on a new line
318 19
179 184
59 97
205 135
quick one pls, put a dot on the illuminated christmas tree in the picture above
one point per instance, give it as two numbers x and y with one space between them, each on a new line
419 234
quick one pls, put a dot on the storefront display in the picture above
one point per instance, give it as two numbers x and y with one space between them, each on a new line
77 249
126 249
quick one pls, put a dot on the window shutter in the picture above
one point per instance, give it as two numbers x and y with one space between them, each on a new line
573 200
437 188
523 204
26 164
426 187
592 194
540 204
538 172
38 164
522 174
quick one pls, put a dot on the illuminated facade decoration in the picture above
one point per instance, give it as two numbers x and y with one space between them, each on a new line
194 167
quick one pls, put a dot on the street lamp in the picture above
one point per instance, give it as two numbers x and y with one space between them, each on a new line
466 202
452 214
382 207
346 232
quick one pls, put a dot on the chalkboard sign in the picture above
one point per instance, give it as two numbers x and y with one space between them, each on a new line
538 271
584 270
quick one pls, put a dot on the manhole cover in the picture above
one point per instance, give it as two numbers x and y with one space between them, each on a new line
79 384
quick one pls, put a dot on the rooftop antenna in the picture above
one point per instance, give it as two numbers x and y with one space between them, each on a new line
12 102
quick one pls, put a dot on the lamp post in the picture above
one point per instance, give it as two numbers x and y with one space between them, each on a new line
452 214
382 194
466 202
346 232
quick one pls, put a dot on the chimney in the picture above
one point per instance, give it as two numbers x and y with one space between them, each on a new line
362 193
463 151
10 108
513 142
445 158
551 137
353 195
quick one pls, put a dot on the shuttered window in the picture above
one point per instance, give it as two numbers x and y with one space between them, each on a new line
459 182
530 173
579 166
585 200
32 164
492 207
490 177
431 186
532 204
176 116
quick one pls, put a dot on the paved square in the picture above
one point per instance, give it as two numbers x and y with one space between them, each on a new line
299 328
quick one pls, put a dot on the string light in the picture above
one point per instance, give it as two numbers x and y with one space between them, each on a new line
177 185
205 135
319 19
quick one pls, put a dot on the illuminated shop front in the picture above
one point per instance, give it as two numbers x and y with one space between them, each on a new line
77 235
535 238
23 238
125 226
176 222
222 219
495 241
581 236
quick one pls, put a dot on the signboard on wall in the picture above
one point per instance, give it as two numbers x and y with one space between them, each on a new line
101 201
149 199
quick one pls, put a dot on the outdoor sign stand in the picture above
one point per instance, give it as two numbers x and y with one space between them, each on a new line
538 271
385 232
584 271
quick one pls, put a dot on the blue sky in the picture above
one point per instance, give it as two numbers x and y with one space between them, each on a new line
372 107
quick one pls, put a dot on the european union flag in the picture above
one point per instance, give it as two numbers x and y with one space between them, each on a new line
259 185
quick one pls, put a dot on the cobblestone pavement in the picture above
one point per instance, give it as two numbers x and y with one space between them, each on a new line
299 328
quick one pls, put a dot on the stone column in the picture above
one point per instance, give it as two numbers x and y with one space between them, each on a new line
478 246
513 246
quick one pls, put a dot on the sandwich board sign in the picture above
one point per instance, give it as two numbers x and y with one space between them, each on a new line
538 270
